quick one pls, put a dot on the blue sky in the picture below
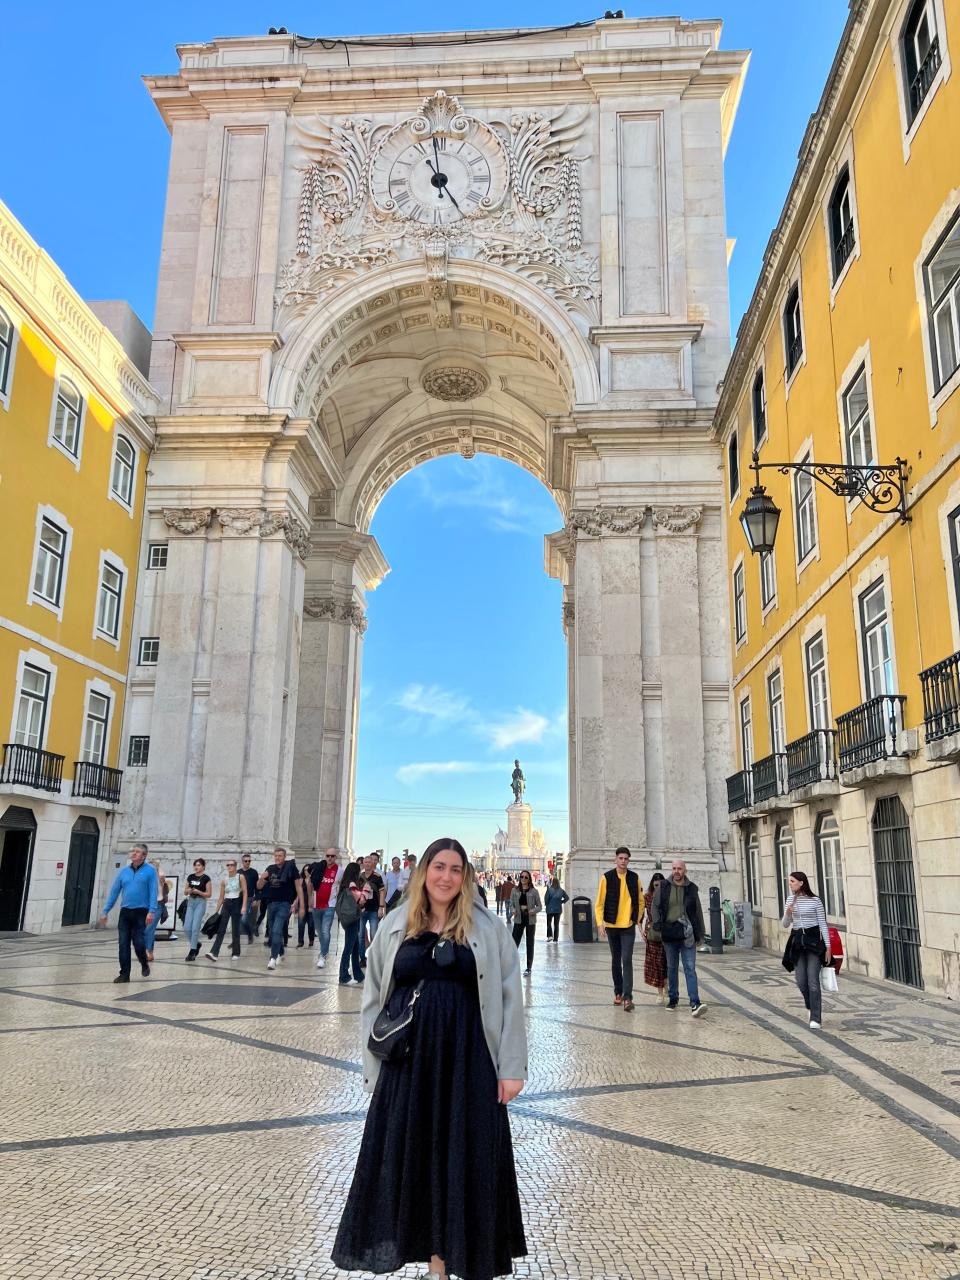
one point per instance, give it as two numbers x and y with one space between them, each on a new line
464 662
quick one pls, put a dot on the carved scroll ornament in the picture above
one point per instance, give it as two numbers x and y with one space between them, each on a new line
593 524
336 611
187 519
676 519
240 520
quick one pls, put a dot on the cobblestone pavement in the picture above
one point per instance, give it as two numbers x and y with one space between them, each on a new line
203 1123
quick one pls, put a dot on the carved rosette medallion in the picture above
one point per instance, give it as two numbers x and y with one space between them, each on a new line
676 519
187 519
454 383
602 520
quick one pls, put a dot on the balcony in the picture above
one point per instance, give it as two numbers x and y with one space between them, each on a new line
921 82
812 762
97 782
30 767
794 353
941 709
869 737
740 791
769 777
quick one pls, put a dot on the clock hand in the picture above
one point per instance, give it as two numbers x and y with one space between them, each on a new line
453 200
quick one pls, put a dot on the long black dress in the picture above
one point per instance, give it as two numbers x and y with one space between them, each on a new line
435 1174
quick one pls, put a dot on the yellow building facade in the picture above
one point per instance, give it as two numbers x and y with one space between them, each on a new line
845 638
74 444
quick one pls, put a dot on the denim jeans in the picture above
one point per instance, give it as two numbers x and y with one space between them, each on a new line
251 918
807 974
553 919
196 910
323 918
305 924
150 930
351 952
278 913
675 952
620 942
132 928
370 920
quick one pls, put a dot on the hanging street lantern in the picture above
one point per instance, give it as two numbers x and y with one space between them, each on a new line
760 517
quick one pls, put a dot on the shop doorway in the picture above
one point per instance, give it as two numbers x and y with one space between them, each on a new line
81 871
18 829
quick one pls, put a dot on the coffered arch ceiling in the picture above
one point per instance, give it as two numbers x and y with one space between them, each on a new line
421 369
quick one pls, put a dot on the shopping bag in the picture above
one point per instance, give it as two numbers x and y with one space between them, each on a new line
828 979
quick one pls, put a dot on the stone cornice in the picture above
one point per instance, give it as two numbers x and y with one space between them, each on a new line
856 44
45 295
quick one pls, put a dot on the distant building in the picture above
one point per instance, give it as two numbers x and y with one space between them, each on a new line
73 451
846 675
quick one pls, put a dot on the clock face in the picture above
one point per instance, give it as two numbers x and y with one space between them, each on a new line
437 181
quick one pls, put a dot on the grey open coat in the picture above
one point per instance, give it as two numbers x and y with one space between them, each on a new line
498 981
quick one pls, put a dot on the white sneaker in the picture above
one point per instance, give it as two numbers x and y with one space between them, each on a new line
210 956
281 959
814 1026
234 957
321 962
271 963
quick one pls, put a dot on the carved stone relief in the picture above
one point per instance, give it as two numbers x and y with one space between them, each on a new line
676 519
240 520
187 519
336 611
453 383
593 524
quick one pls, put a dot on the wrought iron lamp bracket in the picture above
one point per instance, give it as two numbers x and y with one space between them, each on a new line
880 487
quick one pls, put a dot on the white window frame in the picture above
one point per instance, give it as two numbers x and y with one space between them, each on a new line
783 841
760 371
767 561
137 737
745 732
949 302
6 377
909 127
882 626
752 871
108 558
52 439
936 395
141 649
58 518
844 160
97 689
157 568
733 446
776 710
836 877
823 673
112 493
805 454
947 507
739 574
34 658
878 569
790 374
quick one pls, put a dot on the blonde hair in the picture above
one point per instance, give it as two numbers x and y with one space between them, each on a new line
460 914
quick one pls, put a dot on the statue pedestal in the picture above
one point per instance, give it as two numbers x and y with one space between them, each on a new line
519 829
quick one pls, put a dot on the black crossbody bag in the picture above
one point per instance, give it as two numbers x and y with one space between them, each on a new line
390 1038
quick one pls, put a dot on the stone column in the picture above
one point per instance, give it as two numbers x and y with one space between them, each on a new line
685 806
341 568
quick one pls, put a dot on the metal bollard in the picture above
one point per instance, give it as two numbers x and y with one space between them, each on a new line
716 922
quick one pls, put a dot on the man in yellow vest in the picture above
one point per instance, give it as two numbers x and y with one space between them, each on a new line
618 908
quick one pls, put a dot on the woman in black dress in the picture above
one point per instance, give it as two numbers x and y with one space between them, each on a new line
435 1177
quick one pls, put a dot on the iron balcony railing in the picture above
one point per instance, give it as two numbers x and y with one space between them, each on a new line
97 782
30 767
811 759
794 352
769 777
921 82
869 732
843 249
739 791
941 698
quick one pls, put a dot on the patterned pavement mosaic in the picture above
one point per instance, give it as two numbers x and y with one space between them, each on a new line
203 1123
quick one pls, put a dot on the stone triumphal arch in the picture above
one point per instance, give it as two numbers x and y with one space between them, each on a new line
379 251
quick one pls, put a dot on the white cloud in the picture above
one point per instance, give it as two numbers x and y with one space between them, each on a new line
432 700
522 726
411 773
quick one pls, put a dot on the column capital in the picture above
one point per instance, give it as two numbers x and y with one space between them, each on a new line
599 520
333 610
677 519
187 519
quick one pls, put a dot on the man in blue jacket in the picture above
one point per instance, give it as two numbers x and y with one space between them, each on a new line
138 885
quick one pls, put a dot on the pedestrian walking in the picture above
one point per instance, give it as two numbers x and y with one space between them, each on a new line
435 1177
676 912
305 923
159 911
526 905
136 886
231 905
352 895
654 959
326 883
808 947
617 913
375 905
250 921
199 889
395 881
280 887
507 890
553 899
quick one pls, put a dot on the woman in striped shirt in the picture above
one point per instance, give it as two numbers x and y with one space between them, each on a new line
809 941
